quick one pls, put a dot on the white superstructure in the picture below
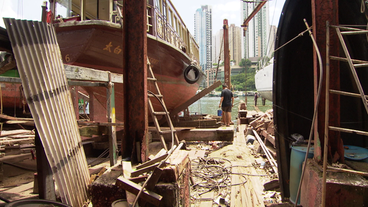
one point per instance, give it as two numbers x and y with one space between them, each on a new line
263 81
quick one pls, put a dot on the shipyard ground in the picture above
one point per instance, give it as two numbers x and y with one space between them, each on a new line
250 178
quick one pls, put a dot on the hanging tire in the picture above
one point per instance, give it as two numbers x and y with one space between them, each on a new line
189 72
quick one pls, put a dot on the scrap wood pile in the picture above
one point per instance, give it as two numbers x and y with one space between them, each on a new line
16 141
160 181
264 126
262 130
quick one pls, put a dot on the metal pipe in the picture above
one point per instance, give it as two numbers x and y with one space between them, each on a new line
315 111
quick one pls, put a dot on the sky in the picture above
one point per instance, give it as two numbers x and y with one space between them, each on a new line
20 9
221 9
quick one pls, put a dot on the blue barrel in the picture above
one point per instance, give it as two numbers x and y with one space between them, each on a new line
356 153
219 112
296 163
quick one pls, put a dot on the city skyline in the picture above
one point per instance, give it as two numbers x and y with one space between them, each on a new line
203 35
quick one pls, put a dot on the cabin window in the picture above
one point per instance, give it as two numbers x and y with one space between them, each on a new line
175 24
164 8
158 5
169 18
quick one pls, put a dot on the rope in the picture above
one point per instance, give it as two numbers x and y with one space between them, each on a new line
218 62
299 35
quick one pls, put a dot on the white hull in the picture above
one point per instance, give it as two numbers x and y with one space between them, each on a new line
263 81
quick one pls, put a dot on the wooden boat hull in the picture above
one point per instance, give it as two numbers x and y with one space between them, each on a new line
98 44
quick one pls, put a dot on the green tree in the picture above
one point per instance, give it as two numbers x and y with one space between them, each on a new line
244 81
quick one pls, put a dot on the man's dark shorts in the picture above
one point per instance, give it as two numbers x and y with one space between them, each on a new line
226 108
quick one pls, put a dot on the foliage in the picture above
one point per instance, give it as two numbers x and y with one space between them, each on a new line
243 81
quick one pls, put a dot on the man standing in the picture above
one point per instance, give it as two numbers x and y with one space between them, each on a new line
255 98
226 102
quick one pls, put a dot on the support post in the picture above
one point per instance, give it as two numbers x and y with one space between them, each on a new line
135 76
322 11
111 119
227 71
45 179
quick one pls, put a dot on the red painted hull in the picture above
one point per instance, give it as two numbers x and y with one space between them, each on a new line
98 44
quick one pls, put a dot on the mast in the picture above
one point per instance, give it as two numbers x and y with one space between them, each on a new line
227 72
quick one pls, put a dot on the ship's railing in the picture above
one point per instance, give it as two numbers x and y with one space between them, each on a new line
149 20
168 26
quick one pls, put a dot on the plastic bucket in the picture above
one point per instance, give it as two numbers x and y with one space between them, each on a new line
355 153
296 162
219 112
120 203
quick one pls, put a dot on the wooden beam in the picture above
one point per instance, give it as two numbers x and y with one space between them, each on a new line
134 188
143 170
82 73
194 98
151 162
218 134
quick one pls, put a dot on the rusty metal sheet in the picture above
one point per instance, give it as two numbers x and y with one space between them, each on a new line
46 88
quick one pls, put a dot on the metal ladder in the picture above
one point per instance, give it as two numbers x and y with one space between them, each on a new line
158 96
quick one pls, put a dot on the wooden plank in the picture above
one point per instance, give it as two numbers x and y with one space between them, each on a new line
203 123
82 73
151 162
15 132
195 98
17 141
139 179
143 170
175 166
19 189
218 134
127 170
272 185
156 174
134 188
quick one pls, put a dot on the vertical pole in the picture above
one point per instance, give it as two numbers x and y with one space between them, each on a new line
82 9
325 147
75 100
44 12
46 186
111 119
135 76
226 54
327 10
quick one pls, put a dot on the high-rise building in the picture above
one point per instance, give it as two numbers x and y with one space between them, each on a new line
203 35
235 43
255 42
271 48
218 47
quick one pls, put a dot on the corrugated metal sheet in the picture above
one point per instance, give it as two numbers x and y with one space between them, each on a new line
46 88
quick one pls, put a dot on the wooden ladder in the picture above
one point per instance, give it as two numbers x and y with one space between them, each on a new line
158 96
353 64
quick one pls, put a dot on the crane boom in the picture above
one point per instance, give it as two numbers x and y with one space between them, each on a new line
250 17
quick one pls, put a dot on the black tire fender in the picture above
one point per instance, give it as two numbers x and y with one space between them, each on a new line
188 69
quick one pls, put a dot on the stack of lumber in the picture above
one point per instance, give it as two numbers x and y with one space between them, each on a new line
264 126
16 141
